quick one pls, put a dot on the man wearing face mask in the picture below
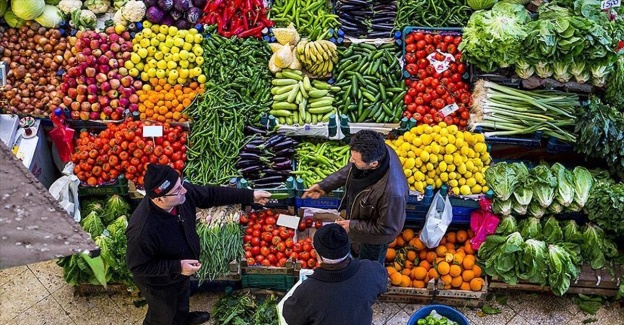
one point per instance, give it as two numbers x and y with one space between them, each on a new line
375 196
163 245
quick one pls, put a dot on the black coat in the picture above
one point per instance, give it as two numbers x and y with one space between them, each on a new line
158 240
333 297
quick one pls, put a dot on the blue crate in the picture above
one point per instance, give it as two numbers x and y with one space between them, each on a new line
320 203
555 145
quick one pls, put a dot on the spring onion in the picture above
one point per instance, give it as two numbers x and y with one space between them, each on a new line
508 111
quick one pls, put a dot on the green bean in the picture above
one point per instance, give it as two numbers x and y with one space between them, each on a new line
432 13
312 18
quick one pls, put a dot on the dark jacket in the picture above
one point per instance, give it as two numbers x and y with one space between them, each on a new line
337 297
158 240
378 212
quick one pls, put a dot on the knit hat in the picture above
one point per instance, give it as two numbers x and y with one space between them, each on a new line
159 180
332 242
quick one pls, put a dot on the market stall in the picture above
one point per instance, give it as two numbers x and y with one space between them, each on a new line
510 113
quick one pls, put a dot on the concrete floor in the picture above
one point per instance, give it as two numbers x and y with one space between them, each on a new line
37 294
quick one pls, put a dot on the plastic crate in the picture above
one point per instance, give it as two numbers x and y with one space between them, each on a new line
281 197
272 282
329 201
534 141
453 31
119 187
555 145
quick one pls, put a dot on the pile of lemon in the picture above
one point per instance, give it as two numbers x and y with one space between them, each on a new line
166 52
441 154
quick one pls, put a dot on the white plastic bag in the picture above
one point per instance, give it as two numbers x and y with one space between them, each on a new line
439 217
65 190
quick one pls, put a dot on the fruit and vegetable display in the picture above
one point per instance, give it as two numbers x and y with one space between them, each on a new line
453 263
236 18
444 13
433 320
367 19
312 18
442 154
369 78
437 91
266 159
317 161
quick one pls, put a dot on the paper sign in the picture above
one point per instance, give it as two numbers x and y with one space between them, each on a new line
287 221
152 131
606 4
440 66
449 109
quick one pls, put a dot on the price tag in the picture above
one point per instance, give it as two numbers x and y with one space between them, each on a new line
449 109
287 221
152 131
606 4
440 66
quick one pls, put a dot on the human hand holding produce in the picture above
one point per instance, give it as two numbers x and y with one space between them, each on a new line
314 192
189 267
261 197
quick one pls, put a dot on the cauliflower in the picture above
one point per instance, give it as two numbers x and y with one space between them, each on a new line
118 19
83 19
97 6
69 6
133 11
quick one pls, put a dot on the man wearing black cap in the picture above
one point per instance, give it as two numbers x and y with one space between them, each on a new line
342 291
163 245
375 195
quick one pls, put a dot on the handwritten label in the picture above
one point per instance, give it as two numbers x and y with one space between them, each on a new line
440 66
152 131
449 109
606 4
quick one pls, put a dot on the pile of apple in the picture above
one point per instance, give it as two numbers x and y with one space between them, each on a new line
96 84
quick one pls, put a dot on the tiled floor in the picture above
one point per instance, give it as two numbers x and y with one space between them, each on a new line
37 294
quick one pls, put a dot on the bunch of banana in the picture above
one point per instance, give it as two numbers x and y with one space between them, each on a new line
297 100
318 57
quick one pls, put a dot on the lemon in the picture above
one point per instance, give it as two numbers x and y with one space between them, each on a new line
426 139
420 129
438 183
162 64
424 156
419 187
399 141
410 180
478 177
201 79
450 148
433 159
411 154
452 129
476 189
448 158
459 142
417 141
418 162
423 168
457 159
407 172
436 129
430 167
480 147
443 140
452 175
464 190
484 189
409 163
187 46
442 166
428 129
469 165
471 182
174 49
405 146
461 181
198 38
453 183
160 73
419 176
455 190
444 177
430 181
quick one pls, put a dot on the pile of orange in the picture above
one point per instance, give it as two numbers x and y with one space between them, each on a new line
160 101
411 264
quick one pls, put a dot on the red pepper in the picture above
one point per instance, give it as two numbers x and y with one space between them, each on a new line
245 23
256 31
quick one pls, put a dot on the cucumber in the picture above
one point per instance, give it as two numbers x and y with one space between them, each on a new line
283 82
281 89
292 75
315 93
322 103
293 94
284 105
280 113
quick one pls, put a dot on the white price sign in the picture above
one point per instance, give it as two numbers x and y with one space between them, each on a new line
449 109
152 131
606 4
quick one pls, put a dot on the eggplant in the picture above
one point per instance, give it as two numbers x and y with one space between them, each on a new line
287 143
249 156
253 148
246 163
282 165
273 172
253 130
285 152
251 169
273 140
269 179
277 160
269 185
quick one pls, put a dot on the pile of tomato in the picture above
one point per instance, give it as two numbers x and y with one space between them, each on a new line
429 92
267 244
121 149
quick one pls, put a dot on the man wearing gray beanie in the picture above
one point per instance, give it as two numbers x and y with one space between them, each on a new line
342 290
163 245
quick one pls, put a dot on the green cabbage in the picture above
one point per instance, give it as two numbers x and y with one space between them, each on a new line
51 17
502 208
115 207
531 228
552 231
592 246
503 178
481 4
555 208
561 269
565 184
12 20
535 209
28 9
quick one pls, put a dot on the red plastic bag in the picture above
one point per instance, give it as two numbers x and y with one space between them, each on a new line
483 222
62 136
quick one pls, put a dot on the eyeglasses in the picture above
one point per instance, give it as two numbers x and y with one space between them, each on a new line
178 190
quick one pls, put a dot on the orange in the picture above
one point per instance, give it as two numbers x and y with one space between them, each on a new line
446 279
443 241
458 258
476 284
461 251
468 262
406 271
407 234
411 255
477 270
468 275
449 257
450 237
400 241
396 278
408 264
468 248
449 246
464 286
393 243
422 255
390 270
440 251
455 270
443 268
418 284
425 264
438 260
433 274
397 266
419 273
418 244
390 255
457 281
431 256
405 281
471 233
462 236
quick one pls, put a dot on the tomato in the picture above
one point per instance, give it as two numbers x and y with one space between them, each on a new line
421 109
412 92
437 38
272 259
411 107
318 224
266 236
457 40
438 103
158 150
283 233
311 263
407 99
178 164
421 74
260 258
172 137
422 63
439 56
266 262
461 68
409 39
421 54
407 114
289 242
251 261
304 256
307 246
428 38
410 57
430 70
248 254
420 87
270 220
435 83
440 90
418 36
255 249
448 120
297 247
282 262
264 251
421 45
168 150
302 226
427 98
465 115
427 119
276 240
247 238
411 68
410 48
429 49
244 220
313 253
451 48
281 246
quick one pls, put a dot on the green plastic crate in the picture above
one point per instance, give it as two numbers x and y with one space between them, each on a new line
278 282
119 187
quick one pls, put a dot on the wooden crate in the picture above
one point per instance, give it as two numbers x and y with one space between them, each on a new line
86 289
460 298
590 282
292 267
409 295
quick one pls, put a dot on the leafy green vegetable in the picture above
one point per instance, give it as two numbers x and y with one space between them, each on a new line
605 205
92 224
503 179
571 232
614 95
552 231
493 38
565 184
535 209
561 269
583 182
507 226
481 4
534 262
115 207
588 304
488 310
502 208
531 228
544 186
240 308
592 246
503 259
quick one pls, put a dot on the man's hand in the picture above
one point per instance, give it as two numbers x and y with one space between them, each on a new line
261 197
314 192
189 267
344 224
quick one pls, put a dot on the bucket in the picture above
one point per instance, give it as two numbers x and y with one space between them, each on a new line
446 311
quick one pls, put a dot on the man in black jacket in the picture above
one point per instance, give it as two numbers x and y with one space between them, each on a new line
163 245
342 290
375 196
